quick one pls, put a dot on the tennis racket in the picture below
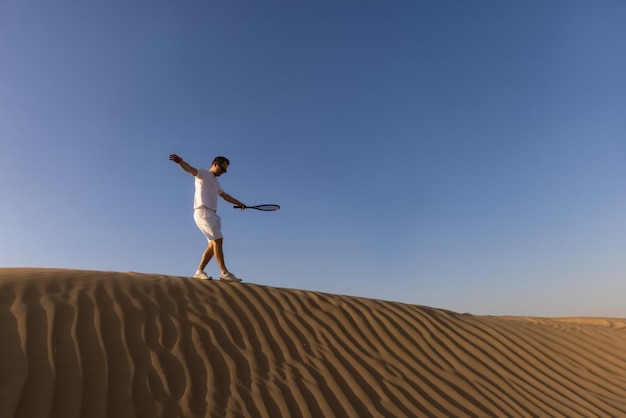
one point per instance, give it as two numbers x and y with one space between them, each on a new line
264 208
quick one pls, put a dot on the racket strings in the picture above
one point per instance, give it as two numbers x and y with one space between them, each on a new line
267 208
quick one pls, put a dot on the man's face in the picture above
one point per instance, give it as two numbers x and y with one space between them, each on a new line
220 169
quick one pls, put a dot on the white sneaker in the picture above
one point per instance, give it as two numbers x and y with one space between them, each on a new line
229 277
202 276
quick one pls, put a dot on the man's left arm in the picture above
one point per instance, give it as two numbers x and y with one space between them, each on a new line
231 199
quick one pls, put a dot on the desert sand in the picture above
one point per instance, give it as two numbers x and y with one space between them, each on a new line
105 344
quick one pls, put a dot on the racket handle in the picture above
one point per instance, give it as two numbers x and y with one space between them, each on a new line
239 207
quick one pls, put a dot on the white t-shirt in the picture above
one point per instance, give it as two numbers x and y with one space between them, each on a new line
207 190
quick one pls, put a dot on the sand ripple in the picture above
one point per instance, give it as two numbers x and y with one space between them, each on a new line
104 344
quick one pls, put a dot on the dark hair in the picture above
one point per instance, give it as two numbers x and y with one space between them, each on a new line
221 160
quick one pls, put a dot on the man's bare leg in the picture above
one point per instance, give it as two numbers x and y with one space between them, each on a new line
219 254
206 256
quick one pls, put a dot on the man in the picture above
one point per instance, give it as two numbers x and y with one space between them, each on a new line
207 188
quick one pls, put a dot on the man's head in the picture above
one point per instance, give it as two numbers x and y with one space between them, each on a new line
220 166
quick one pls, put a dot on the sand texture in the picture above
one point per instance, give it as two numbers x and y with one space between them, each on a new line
104 344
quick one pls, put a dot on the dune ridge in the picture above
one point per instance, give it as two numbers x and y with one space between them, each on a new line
106 344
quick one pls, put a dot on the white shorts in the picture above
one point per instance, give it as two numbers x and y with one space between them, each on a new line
209 223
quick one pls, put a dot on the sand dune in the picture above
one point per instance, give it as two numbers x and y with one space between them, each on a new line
103 344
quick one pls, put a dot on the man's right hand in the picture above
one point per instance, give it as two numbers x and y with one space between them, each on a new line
185 166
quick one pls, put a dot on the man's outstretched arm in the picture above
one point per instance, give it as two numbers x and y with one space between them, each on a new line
191 170
232 200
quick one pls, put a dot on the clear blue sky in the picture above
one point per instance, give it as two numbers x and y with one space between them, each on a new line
469 156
